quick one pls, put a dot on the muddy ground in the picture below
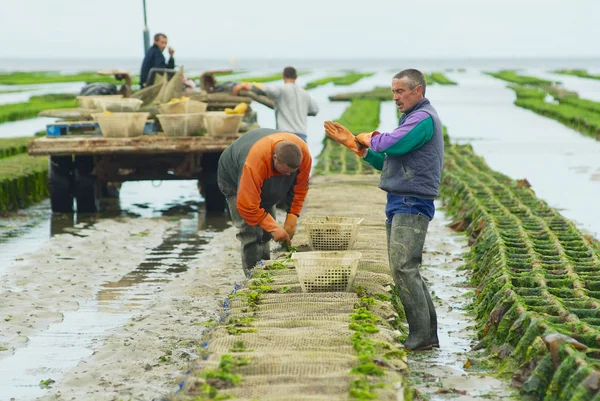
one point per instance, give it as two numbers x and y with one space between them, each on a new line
116 310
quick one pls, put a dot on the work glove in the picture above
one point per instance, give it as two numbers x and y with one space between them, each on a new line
290 224
365 138
341 135
281 236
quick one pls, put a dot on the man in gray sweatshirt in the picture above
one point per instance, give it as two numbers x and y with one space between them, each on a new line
293 104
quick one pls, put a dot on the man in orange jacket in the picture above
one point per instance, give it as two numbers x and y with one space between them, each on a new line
257 171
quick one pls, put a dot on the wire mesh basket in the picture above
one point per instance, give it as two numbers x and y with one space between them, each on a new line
220 123
326 271
181 124
186 106
87 102
331 233
117 105
121 125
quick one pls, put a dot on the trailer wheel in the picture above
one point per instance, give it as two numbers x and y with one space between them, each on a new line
110 190
214 201
87 192
61 184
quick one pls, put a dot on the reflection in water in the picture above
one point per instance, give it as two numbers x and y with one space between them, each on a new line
54 351
171 257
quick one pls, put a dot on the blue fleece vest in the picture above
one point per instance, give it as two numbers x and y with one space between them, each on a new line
417 173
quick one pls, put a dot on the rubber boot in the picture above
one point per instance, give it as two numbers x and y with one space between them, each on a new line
266 246
433 336
250 237
405 249
252 251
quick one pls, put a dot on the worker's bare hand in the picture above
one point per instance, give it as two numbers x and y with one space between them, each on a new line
171 51
281 236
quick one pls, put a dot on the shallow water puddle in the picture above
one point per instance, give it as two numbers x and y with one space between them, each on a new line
49 354
441 374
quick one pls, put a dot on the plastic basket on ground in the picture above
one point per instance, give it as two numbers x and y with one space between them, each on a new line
183 107
118 104
181 124
220 123
121 125
331 233
330 271
87 102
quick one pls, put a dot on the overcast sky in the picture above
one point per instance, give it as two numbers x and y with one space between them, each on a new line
397 29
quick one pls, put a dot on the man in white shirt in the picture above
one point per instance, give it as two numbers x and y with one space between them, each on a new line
293 104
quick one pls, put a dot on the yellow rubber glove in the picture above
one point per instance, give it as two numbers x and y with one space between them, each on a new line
365 138
343 136
290 224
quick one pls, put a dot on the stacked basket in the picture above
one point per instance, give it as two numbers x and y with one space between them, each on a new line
182 118
116 116
331 266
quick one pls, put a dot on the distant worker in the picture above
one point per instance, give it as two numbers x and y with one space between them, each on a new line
257 171
293 104
155 59
410 158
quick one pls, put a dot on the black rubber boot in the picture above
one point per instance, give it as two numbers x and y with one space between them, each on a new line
405 248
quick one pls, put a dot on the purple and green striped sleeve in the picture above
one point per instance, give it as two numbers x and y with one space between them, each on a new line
414 132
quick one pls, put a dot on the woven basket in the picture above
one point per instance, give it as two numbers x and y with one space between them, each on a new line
183 107
181 124
121 125
326 271
218 123
87 102
333 233
117 105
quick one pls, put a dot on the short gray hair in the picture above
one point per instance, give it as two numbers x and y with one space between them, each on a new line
289 153
413 77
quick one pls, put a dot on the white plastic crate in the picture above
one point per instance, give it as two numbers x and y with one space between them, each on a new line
326 271
331 233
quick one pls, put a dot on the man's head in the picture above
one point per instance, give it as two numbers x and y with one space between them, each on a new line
160 40
287 157
289 74
408 87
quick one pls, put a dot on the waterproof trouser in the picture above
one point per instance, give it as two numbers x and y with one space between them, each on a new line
254 240
406 237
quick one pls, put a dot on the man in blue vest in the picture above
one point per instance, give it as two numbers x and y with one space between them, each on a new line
410 159
155 59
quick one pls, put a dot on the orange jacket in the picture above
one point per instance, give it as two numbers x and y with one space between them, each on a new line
258 168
